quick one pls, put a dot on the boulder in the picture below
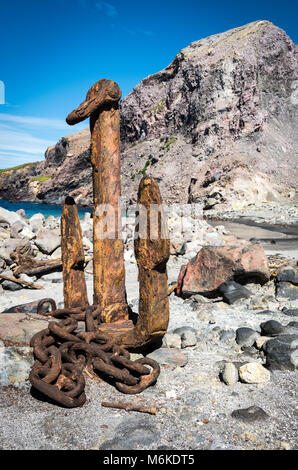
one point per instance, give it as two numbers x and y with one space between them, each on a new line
47 241
11 245
9 217
237 260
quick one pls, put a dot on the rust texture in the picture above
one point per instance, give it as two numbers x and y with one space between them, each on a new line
63 352
73 258
108 250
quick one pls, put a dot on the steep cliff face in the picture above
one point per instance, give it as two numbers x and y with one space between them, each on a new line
218 125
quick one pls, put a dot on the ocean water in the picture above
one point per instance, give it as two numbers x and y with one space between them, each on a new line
32 208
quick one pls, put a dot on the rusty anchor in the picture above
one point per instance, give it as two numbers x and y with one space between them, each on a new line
62 353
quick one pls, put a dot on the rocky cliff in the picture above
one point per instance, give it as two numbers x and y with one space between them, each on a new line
218 126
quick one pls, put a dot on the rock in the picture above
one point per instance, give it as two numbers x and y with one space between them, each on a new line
18 329
171 357
11 245
227 336
182 329
188 339
10 285
261 340
232 291
47 241
254 373
282 352
215 265
285 290
230 374
171 340
36 221
30 307
272 328
229 148
15 366
250 415
22 213
57 253
288 274
177 247
291 312
9 216
133 433
246 337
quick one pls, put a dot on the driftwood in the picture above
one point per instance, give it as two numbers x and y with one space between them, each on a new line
31 267
120 405
19 281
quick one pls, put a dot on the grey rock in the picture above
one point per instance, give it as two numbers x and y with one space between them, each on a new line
272 328
182 329
250 415
232 291
15 365
133 433
188 339
230 374
47 241
246 337
10 285
291 312
285 290
169 356
227 336
282 352
11 245
288 274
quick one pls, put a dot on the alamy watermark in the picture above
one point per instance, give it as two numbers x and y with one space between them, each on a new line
157 222
2 92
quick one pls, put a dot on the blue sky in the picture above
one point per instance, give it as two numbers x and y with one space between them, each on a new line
52 51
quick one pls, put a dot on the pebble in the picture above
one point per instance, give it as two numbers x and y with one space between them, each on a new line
169 356
272 328
188 339
246 336
230 374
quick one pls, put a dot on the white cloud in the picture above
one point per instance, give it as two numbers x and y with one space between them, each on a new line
34 121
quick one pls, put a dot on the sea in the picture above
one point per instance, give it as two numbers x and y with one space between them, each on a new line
32 208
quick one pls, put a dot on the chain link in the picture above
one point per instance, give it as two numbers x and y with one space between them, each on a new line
62 354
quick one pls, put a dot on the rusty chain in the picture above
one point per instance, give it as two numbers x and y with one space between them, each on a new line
62 353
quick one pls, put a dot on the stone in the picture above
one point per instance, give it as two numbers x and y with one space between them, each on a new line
10 285
36 221
254 373
250 415
282 352
188 339
171 340
272 328
182 329
30 307
230 374
261 340
215 265
47 241
22 213
232 291
227 336
18 328
291 312
168 356
133 433
15 366
286 290
10 245
9 216
246 337
177 247
288 274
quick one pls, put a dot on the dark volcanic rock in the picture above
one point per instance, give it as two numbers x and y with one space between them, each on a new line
282 352
232 291
272 328
288 274
250 415
291 312
217 125
246 337
286 290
